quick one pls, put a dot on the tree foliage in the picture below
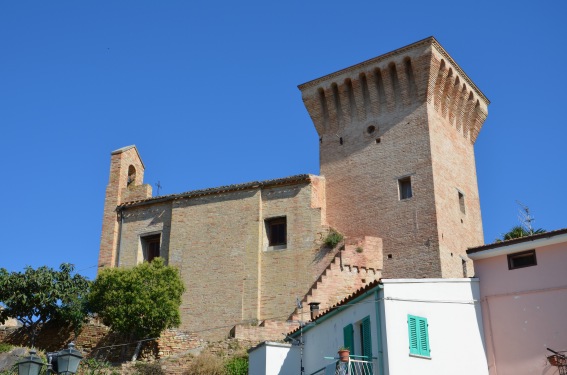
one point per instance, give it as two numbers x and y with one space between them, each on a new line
141 301
519 231
37 296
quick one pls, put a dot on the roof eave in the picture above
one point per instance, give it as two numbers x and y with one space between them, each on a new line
528 243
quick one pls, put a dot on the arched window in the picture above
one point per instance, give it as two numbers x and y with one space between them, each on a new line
131 175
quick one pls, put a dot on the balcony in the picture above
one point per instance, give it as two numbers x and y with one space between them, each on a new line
356 365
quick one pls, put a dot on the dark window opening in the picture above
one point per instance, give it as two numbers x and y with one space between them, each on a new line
462 202
150 247
276 229
521 260
131 175
405 188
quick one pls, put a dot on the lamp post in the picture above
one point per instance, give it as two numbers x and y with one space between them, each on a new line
30 365
67 362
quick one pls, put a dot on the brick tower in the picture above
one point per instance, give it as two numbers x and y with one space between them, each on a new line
124 184
396 149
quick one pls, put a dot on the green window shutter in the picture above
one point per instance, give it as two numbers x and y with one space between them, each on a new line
348 335
423 337
366 338
412 333
418 333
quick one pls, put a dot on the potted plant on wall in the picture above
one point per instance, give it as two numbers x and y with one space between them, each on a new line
344 353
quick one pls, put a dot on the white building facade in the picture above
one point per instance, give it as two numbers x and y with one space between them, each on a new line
398 326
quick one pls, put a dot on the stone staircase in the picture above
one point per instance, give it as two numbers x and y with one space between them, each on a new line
357 264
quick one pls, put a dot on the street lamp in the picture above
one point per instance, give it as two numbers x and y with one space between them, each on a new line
30 365
67 362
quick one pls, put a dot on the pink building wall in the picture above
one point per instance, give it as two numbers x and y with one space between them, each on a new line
525 309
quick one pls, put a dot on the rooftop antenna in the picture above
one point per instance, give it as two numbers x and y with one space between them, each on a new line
524 217
158 185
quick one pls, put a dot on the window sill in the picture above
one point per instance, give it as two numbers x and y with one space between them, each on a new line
276 247
419 356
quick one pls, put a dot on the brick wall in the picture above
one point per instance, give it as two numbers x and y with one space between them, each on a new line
376 125
174 349
124 184
219 243
411 113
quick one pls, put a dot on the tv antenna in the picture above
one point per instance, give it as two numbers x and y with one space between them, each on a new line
158 185
525 217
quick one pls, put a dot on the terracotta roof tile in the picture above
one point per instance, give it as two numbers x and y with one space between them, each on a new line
217 190
344 301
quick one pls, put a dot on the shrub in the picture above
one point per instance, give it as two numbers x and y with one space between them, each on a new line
149 295
206 364
143 368
92 366
4 347
333 238
236 366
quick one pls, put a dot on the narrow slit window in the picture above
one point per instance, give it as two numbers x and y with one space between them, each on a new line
276 229
521 260
404 185
462 202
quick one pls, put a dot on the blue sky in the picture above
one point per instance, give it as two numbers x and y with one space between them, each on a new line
208 90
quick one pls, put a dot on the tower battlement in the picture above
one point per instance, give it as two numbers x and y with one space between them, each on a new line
396 136
372 92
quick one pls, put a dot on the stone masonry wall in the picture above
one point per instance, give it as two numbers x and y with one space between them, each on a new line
375 129
140 222
454 169
220 245
117 191
286 274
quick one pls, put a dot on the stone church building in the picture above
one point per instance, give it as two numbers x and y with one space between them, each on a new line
397 179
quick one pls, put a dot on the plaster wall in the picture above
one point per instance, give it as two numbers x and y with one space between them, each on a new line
455 326
325 338
524 311
271 358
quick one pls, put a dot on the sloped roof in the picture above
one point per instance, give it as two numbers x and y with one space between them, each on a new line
515 241
300 178
344 302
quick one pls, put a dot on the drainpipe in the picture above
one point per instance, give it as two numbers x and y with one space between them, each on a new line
378 302
121 215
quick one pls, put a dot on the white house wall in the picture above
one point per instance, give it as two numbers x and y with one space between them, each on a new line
455 326
326 337
271 358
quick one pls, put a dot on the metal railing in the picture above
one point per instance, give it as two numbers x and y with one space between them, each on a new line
356 365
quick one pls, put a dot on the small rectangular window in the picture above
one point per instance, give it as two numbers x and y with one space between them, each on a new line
404 186
276 229
521 260
418 331
150 247
462 202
